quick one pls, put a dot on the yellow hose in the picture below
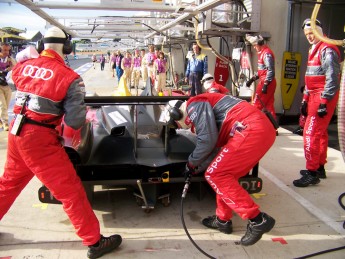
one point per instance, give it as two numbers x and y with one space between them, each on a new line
317 34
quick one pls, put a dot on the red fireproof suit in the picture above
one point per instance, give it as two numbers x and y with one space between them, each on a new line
241 134
322 86
217 88
53 90
266 74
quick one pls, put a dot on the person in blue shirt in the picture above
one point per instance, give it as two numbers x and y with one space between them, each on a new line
197 67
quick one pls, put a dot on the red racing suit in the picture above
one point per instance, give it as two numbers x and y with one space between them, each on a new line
266 75
241 135
217 88
322 86
51 90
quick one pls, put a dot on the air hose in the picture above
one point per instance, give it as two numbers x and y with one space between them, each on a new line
184 193
342 203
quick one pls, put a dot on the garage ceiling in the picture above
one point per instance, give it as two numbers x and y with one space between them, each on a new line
136 20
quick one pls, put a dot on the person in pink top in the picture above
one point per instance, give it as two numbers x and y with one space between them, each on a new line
126 65
143 65
136 67
161 66
150 59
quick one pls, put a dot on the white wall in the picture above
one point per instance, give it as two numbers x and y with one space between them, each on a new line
274 16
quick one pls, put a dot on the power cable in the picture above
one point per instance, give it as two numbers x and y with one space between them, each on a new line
184 193
321 252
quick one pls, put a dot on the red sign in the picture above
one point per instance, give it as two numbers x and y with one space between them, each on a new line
244 60
221 71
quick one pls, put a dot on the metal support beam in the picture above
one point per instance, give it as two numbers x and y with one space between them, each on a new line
184 17
129 6
30 5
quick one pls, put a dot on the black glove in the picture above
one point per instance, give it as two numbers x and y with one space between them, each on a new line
322 111
304 108
264 88
189 171
251 80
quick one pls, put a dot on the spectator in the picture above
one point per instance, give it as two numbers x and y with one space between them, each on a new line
196 68
319 101
143 66
102 61
136 67
161 66
47 91
94 60
118 62
126 66
6 65
150 59
232 136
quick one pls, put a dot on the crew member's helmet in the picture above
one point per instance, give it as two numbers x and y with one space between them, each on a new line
57 36
255 40
207 81
206 77
307 24
175 112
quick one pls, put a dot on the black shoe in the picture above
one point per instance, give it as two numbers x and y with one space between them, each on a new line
306 180
298 131
106 245
320 172
256 230
213 222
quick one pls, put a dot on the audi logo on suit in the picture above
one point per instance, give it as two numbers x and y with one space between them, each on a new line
38 72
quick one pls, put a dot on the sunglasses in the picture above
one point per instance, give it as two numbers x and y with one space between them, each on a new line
308 23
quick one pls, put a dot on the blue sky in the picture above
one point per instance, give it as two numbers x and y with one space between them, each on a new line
20 17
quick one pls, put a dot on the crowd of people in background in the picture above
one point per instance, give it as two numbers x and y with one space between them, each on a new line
136 67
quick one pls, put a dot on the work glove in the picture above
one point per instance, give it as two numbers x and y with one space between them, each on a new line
251 80
304 108
322 110
189 171
264 88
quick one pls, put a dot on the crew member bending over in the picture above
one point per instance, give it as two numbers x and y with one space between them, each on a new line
232 136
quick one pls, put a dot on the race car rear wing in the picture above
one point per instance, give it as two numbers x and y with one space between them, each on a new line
98 101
